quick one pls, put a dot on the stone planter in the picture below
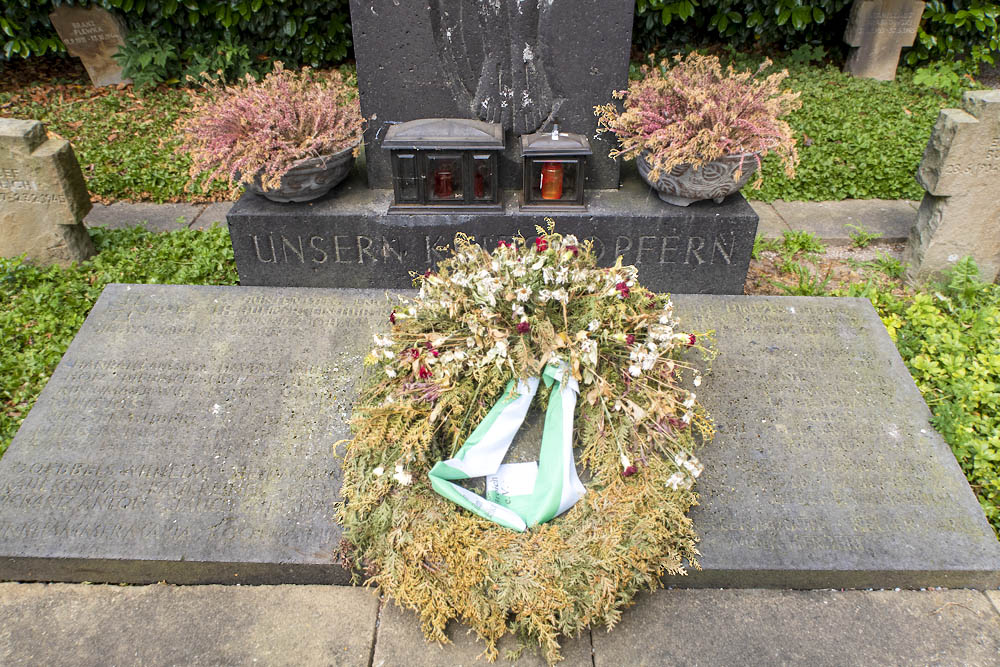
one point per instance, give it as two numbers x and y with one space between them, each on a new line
684 185
308 179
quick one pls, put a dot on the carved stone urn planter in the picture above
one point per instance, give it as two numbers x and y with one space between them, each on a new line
684 185
308 179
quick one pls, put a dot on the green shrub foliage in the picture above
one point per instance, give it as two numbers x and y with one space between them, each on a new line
963 29
169 39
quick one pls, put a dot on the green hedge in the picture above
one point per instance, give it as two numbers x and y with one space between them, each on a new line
963 29
173 38
182 37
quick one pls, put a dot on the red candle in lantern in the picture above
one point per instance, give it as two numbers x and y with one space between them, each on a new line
442 183
552 180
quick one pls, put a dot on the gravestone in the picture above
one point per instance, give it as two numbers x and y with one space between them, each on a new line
960 214
93 35
43 197
348 240
186 436
876 31
521 64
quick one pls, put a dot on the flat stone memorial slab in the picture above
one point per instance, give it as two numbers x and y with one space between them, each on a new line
825 472
186 436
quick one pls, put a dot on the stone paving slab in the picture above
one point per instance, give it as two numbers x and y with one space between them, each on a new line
816 628
156 217
60 624
827 220
213 213
771 225
400 642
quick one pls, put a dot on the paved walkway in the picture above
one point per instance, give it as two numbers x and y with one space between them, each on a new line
830 221
79 624
84 625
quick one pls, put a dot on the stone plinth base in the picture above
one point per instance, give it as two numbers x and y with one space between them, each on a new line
348 239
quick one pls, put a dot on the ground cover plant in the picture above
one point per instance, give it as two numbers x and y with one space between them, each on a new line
41 309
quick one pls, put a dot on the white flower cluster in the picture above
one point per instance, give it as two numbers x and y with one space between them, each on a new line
690 469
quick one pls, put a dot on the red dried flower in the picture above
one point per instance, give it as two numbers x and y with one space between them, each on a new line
424 372
414 352
629 471
427 273
573 249
541 245
431 349
691 340
629 339
523 327
623 289
392 317
652 304
503 244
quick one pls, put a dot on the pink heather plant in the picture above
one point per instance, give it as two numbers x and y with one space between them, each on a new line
693 113
267 126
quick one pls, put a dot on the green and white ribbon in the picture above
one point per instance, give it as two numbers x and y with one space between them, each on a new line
519 495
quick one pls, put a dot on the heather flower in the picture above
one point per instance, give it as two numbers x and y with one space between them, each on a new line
267 126
523 327
693 113
541 245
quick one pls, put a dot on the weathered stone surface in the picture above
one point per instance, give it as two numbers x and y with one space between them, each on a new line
154 217
349 240
960 214
818 628
187 436
825 472
877 30
43 197
400 642
93 35
94 626
835 221
512 62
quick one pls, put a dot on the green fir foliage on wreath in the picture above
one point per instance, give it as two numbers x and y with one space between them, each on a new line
481 320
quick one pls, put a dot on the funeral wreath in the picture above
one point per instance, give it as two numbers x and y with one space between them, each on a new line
540 553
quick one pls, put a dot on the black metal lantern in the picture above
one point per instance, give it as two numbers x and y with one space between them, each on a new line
554 164
445 165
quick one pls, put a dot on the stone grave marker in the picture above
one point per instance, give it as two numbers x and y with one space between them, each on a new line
43 197
876 31
960 214
517 63
346 240
187 436
93 35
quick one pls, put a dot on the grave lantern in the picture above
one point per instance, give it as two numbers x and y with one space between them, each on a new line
444 165
554 164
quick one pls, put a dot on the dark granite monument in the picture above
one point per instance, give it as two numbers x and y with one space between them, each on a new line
347 239
187 437
524 67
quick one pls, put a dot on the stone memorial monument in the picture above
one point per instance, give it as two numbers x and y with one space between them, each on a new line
183 438
876 31
93 35
523 68
960 214
43 197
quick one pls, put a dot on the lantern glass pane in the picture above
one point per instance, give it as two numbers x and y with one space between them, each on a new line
407 189
553 180
483 178
444 178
